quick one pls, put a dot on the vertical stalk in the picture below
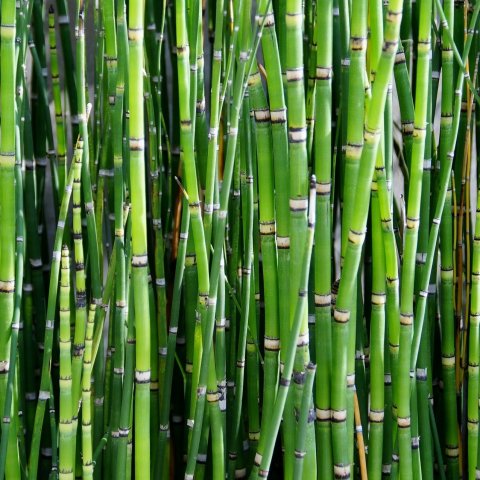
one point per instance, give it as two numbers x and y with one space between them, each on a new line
446 258
297 138
57 99
139 239
323 237
66 432
7 196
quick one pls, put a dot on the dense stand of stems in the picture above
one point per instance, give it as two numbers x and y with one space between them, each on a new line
210 312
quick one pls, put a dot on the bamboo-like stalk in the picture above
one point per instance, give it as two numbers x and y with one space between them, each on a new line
323 237
190 288
405 102
80 288
263 131
115 91
159 306
64 25
303 420
7 203
378 295
61 150
187 147
139 239
9 444
66 432
126 416
215 108
298 192
423 428
377 332
87 443
446 232
353 150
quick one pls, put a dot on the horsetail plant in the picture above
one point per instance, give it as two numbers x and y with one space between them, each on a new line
270 264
